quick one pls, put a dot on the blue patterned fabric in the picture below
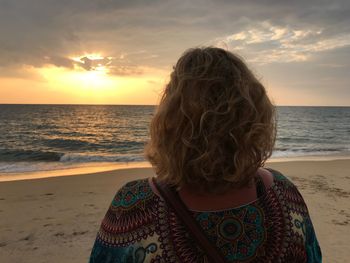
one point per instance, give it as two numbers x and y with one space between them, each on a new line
140 227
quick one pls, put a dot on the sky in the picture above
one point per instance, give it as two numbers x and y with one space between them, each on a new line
122 52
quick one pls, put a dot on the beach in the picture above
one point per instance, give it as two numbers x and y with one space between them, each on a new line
56 219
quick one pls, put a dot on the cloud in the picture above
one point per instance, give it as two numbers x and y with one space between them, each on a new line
119 66
267 43
88 63
59 61
126 70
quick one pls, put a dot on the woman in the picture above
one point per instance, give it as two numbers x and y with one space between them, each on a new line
210 137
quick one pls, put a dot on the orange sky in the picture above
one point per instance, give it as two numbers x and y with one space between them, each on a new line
57 85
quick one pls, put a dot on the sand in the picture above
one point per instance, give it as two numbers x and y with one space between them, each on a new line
56 219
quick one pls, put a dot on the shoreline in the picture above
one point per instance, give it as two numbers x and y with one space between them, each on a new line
79 170
98 167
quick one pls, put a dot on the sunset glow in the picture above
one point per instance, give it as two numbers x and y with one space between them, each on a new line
78 78
90 80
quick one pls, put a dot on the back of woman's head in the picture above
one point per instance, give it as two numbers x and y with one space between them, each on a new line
215 124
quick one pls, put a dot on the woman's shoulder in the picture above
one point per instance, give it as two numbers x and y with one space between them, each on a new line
286 192
300 227
281 179
129 220
132 194
130 216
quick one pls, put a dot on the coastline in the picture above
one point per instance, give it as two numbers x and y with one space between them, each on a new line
87 168
98 167
42 217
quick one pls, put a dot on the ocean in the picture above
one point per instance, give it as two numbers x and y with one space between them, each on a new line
49 137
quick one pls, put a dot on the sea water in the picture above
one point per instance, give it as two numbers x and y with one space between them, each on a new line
46 137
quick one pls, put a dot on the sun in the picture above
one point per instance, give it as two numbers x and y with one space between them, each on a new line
92 79
90 72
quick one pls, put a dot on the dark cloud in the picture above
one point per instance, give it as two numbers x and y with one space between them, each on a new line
59 61
93 64
125 70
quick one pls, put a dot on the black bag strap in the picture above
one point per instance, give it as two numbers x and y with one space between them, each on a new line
172 199
260 187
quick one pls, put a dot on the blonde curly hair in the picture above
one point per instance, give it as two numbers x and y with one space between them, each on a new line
214 126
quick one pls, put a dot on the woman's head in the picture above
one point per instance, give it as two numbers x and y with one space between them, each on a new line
215 124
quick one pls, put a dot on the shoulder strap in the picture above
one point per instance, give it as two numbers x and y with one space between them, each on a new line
260 186
172 198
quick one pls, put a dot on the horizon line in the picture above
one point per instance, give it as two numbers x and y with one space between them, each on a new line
91 104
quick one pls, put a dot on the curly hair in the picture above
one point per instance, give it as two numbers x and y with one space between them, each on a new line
214 126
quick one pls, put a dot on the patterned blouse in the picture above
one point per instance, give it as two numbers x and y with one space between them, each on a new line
140 227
